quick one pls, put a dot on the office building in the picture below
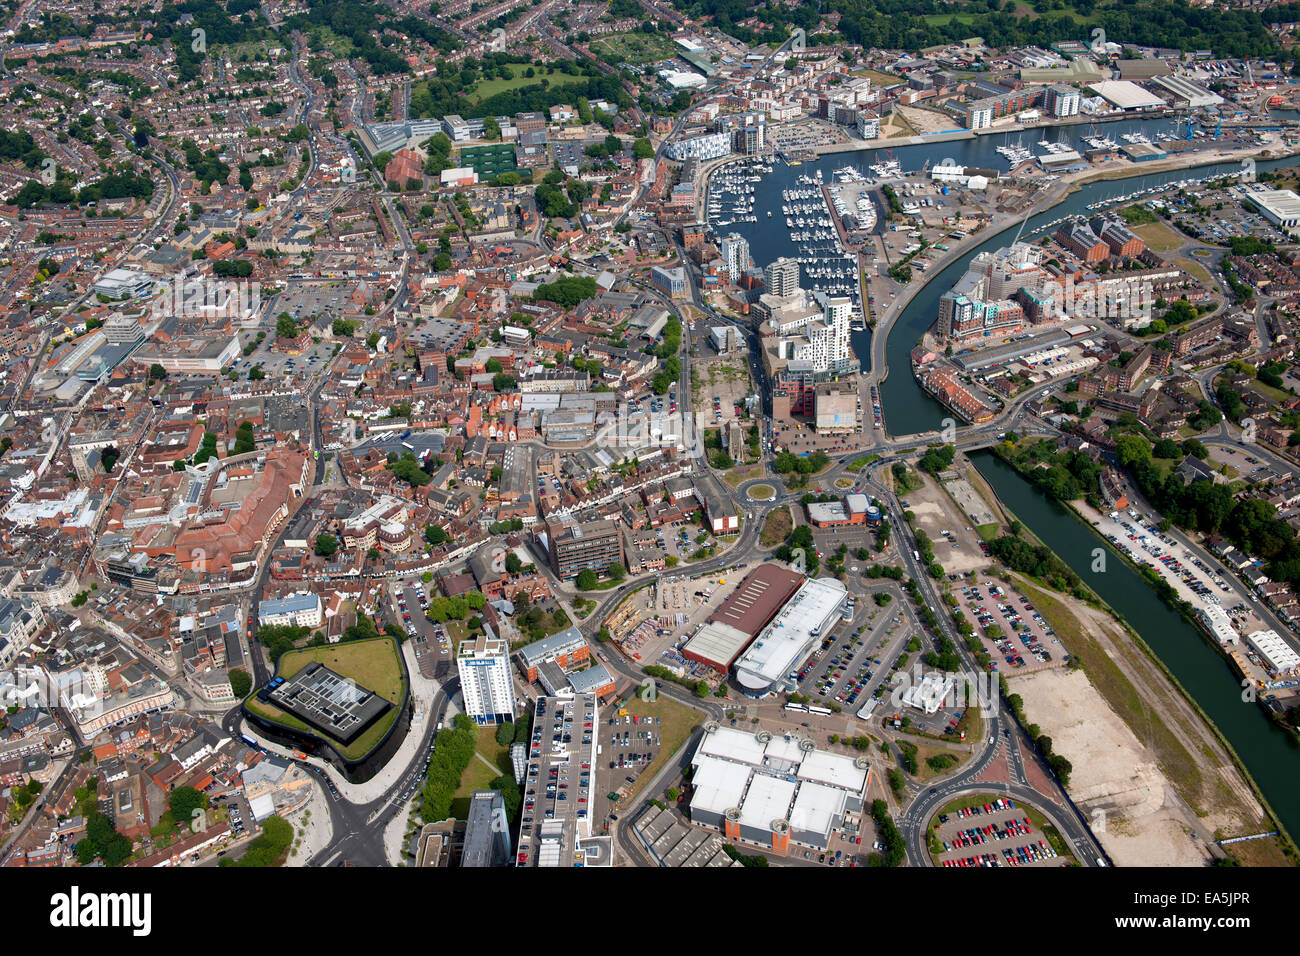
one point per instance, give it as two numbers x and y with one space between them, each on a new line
567 649
337 706
297 610
671 281
575 547
485 682
123 284
930 693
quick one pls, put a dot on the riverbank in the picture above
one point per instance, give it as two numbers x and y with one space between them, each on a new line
1138 684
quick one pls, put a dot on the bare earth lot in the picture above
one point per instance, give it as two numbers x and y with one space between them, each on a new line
1163 784
1130 805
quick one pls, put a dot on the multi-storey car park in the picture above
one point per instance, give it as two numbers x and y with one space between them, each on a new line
556 818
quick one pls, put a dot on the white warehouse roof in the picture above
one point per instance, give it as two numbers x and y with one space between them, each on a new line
1126 95
787 640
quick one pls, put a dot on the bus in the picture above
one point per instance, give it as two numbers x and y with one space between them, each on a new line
250 741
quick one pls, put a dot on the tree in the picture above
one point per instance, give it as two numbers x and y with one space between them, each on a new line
240 682
183 803
326 545
157 372
244 441
1131 449
616 572
587 580
642 149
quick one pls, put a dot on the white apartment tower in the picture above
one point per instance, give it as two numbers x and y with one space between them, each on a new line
828 340
485 679
735 252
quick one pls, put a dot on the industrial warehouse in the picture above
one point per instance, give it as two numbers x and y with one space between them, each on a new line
745 613
774 790
790 637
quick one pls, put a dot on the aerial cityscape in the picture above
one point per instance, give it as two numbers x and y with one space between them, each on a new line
649 433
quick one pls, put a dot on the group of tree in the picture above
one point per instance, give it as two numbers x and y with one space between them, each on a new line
244 441
279 638
269 848
888 835
588 580
800 540
408 468
456 607
102 842
453 750
1037 561
566 291
787 462
937 458
122 184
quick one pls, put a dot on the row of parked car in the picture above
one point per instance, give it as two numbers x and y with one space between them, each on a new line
1029 853
975 810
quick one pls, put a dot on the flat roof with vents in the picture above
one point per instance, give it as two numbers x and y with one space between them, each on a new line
755 602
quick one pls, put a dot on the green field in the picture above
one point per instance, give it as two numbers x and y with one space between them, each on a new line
374 664
485 89
942 19
1159 237
478 774
635 47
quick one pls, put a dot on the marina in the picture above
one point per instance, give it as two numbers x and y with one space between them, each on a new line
806 208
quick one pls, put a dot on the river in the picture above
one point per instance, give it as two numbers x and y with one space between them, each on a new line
1271 754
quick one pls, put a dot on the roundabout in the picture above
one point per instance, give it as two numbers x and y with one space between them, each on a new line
763 490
